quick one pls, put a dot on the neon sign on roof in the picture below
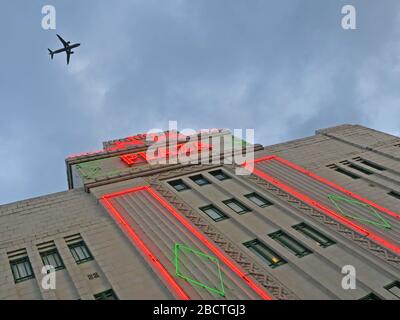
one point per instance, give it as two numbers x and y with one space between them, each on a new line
188 149
145 139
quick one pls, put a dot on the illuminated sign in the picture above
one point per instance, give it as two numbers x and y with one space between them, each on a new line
189 149
137 141
140 140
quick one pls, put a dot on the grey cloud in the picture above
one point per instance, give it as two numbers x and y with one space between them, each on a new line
284 68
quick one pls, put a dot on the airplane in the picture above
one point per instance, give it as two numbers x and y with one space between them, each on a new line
67 48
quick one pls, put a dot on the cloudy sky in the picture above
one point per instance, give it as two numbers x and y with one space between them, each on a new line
282 67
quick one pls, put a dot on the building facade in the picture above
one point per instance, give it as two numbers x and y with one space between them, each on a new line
312 214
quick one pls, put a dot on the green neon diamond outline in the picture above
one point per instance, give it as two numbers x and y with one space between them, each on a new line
177 248
92 170
383 224
89 169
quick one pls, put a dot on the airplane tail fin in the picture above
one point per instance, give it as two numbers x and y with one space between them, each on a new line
51 53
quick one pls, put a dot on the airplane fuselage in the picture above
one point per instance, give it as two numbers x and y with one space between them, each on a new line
69 48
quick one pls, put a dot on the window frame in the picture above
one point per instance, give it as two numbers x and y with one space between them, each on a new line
284 240
79 244
394 284
178 181
101 295
254 247
26 262
200 176
394 194
220 172
267 203
223 216
347 173
308 231
372 165
343 171
371 296
51 252
244 210
360 169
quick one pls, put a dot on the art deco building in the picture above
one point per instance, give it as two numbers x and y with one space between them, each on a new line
133 228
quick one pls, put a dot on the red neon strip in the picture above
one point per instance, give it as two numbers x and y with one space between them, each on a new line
123 192
263 159
151 257
192 229
326 210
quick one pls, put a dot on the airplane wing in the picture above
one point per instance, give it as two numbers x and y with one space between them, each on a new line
68 52
65 44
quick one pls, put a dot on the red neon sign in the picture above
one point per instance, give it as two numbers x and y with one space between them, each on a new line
153 259
166 152
134 158
138 140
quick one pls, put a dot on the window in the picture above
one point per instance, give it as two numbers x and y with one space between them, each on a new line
394 194
220 175
345 172
80 252
371 296
372 165
365 171
313 234
236 206
52 258
258 200
178 185
265 253
214 213
200 180
106 295
394 288
290 243
21 269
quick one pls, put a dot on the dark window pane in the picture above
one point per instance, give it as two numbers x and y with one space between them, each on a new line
178 185
200 180
258 200
394 288
52 258
371 296
236 206
80 252
314 234
373 165
220 175
21 269
365 171
265 253
214 213
347 173
290 243
394 194
106 295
